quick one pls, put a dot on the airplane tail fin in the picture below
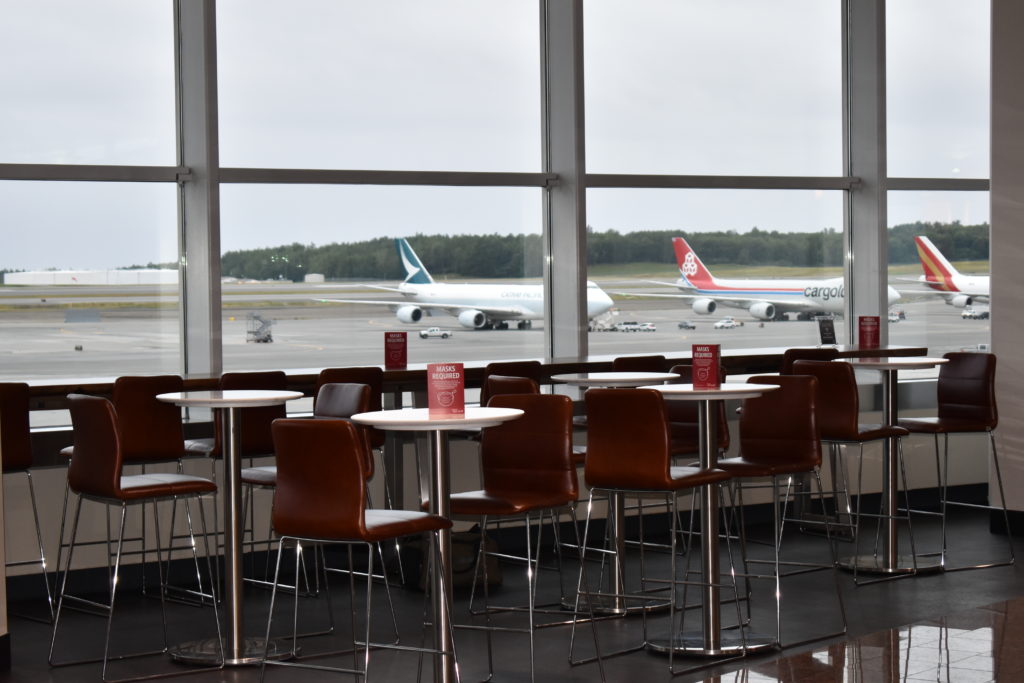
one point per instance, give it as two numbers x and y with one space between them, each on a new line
938 272
415 272
691 270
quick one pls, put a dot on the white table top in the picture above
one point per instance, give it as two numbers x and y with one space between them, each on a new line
418 419
727 390
234 398
893 362
613 379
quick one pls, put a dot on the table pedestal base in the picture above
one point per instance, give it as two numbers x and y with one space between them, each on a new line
207 652
872 564
691 643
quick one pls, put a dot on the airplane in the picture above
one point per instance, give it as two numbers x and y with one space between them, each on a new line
958 290
475 306
768 299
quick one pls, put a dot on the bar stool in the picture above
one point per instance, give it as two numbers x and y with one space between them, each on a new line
95 474
321 498
779 438
629 453
790 356
16 448
966 405
527 468
653 363
500 385
531 369
837 411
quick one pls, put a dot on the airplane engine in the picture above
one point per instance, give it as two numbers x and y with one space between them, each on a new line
704 306
472 319
960 301
409 314
762 310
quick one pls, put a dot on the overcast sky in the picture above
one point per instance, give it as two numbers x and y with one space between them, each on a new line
735 87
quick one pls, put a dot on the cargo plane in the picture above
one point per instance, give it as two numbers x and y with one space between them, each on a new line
475 306
958 290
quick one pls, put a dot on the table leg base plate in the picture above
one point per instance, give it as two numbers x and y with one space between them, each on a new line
208 652
691 643
872 564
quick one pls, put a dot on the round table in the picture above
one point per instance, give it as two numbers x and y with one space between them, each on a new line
890 561
238 650
419 420
710 641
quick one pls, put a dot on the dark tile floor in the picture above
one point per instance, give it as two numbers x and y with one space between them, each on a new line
954 626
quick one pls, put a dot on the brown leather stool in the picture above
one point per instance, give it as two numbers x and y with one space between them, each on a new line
16 448
967 405
321 498
95 474
790 356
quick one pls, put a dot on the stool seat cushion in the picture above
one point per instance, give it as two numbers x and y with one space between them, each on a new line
136 486
496 503
741 467
260 476
943 425
384 524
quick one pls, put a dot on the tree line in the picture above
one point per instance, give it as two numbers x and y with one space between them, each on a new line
515 256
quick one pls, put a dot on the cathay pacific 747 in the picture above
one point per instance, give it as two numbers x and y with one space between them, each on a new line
940 275
764 299
479 306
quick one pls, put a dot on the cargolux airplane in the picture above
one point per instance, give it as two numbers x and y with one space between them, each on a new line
479 306
763 299
939 274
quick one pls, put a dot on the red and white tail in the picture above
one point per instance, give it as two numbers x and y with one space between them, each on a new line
691 270
938 272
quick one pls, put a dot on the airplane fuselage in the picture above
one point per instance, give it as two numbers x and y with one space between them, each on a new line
523 302
786 295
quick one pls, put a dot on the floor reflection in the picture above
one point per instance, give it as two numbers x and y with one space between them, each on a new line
980 645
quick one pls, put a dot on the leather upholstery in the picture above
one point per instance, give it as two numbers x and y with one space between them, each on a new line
15 436
778 430
790 356
371 376
496 385
264 475
527 463
837 403
966 396
321 492
683 417
639 364
520 368
337 400
256 439
150 430
95 468
628 444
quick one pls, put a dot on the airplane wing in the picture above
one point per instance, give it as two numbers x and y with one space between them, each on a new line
498 312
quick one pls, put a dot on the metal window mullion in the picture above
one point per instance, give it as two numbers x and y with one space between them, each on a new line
94 173
381 177
615 180
199 197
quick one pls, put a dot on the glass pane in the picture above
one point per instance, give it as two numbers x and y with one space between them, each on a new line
939 260
87 82
319 264
937 83
90 280
759 266
707 87
449 85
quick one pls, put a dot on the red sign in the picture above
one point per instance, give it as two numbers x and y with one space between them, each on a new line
705 366
867 331
446 390
396 350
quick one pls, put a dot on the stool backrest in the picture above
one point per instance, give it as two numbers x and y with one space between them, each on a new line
967 389
371 376
150 430
627 439
790 356
531 454
256 438
340 401
320 492
837 402
779 427
512 368
639 364
498 385
95 468
15 434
